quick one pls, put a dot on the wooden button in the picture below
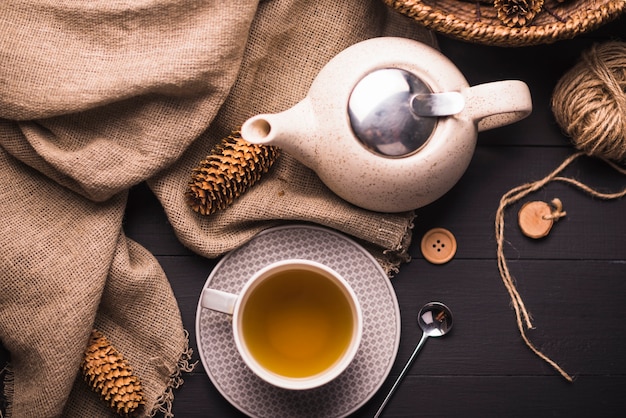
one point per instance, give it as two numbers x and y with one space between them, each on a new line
535 219
438 245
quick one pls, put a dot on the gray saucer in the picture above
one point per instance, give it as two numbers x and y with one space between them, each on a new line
381 326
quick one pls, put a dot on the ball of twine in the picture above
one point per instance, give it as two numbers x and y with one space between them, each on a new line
589 102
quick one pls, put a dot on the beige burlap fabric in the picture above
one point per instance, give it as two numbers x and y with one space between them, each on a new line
96 97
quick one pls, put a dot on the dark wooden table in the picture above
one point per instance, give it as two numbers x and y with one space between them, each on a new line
573 281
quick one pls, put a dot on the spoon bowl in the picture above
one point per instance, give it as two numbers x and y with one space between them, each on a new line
435 319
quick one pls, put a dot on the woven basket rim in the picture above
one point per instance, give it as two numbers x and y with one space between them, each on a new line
585 16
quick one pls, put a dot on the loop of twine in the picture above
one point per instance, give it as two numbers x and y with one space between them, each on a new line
557 211
513 196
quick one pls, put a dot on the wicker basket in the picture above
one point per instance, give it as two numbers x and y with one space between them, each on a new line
478 22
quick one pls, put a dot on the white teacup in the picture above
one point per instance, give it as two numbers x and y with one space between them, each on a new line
296 323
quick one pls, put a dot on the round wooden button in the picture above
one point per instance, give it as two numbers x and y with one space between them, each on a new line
535 219
438 245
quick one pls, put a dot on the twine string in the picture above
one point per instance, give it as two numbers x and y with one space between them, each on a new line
523 317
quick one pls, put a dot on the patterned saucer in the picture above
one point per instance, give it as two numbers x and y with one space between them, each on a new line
381 326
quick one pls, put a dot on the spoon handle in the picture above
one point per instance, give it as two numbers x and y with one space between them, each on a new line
402 374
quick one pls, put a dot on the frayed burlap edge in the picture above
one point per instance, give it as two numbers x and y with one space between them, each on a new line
165 402
394 257
6 376
389 257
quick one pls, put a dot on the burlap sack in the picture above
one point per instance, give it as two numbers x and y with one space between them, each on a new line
96 97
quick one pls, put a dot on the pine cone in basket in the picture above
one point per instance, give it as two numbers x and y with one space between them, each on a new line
517 13
109 375
227 172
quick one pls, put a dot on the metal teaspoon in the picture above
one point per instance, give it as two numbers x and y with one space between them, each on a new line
435 320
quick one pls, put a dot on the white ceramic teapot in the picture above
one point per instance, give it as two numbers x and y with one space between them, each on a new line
390 124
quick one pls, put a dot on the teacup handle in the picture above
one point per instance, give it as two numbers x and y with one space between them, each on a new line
218 300
499 103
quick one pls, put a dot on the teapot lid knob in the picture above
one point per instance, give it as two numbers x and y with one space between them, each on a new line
394 113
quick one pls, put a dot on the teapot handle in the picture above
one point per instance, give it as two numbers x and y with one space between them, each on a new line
499 103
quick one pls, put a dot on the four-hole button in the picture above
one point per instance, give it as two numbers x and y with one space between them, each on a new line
438 245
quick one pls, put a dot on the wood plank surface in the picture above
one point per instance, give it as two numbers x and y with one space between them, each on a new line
573 281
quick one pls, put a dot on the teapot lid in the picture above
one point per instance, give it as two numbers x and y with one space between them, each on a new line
382 112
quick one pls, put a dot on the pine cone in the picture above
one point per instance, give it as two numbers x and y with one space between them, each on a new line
109 374
232 168
517 13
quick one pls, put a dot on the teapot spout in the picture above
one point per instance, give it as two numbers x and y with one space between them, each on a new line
290 130
257 130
